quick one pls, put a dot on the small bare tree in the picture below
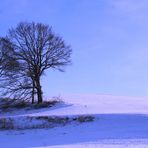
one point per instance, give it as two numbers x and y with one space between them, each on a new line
36 48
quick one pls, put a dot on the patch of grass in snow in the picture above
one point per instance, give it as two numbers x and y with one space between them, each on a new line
45 104
34 122
64 120
7 104
6 123
54 119
84 118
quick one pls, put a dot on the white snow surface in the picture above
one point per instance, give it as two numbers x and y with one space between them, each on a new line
120 122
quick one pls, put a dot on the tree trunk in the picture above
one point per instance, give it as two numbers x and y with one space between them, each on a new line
33 91
39 91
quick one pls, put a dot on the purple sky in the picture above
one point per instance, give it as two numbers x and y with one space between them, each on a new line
109 40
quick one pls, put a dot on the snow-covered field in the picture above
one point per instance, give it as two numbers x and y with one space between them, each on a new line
119 122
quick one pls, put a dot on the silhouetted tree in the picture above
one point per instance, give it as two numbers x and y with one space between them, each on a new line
13 79
35 48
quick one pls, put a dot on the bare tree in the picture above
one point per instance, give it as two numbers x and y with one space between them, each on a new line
37 48
13 79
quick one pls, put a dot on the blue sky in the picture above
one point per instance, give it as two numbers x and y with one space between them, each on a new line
109 39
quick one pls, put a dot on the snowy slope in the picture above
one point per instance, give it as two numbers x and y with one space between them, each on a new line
120 122
101 104
92 104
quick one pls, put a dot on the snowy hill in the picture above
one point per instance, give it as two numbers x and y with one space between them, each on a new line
119 122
